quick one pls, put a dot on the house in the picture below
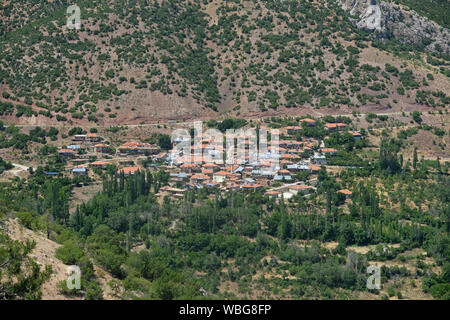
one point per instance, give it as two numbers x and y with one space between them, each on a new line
292 167
161 157
330 126
290 156
79 171
287 195
220 176
79 137
74 147
293 129
282 178
199 177
100 164
267 172
356 135
309 122
182 176
211 184
319 159
138 148
68 153
238 170
189 167
335 126
313 168
211 166
101 148
93 137
298 167
273 194
164 189
300 188
347 193
208 172
329 151
249 186
128 171
298 152
232 186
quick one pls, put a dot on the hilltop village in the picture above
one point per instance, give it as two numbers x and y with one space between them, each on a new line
292 170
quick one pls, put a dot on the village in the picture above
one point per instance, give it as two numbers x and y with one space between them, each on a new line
272 172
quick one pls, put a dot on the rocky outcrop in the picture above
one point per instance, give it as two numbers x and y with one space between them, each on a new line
388 20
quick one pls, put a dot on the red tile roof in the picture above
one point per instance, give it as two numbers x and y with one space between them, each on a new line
100 163
300 187
329 150
200 176
128 170
65 151
313 168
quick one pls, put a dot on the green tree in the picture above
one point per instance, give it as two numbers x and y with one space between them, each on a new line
165 142
415 158
21 278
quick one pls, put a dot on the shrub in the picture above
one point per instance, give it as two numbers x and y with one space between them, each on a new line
70 253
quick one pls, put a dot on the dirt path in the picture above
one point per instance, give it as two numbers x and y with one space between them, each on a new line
18 168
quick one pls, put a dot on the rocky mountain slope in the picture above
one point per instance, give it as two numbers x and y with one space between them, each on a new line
393 20
144 61
44 254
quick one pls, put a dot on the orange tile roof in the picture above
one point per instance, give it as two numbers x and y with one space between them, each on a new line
65 151
128 170
200 176
188 165
100 163
209 165
300 187
223 173
329 150
345 191
251 186
296 151
211 182
289 156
